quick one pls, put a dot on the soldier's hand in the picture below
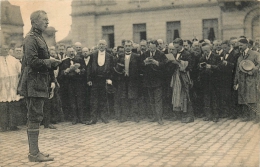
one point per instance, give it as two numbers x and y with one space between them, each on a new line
250 73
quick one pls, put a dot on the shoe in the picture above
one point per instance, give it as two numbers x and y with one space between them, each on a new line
207 119
3 130
200 115
215 119
39 158
105 121
246 119
160 122
136 120
52 126
232 117
122 120
14 128
74 121
46 155
187 120
82 122
91 122
154 120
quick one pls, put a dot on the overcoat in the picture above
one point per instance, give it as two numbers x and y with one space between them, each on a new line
248 85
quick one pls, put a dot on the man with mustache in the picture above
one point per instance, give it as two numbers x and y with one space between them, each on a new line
37 80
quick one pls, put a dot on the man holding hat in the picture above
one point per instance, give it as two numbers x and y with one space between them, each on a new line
247 80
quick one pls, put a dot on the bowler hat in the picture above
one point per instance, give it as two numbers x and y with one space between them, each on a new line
246 66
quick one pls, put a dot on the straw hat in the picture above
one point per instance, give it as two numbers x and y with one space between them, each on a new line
246 66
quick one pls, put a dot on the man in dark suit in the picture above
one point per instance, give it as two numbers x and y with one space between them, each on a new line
209 75
73 70
196 91
36 81
99 77
153 62
144 103
227 70
128 82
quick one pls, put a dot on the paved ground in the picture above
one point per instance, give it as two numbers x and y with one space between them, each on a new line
199 144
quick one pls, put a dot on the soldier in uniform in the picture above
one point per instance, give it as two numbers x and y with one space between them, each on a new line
37 80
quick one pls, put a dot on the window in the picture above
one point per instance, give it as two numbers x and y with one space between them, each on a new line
256 27
108 35
173 30
210 29
139 32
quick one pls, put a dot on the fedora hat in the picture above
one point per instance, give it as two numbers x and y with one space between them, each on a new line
246 66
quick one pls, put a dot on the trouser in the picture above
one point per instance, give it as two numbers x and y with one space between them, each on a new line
197 98
144 103
224 94
9 114
155 97
210 101
128 107
88 106
63 92
35 109
77 100
98 102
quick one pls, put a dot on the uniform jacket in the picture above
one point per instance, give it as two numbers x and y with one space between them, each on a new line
152 73
37 71
248 85
132 82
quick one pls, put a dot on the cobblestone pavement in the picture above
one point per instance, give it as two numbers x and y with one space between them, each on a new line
228 143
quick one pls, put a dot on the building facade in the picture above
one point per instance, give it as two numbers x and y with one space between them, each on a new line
115 20
11 24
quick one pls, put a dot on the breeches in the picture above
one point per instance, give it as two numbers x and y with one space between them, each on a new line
35 109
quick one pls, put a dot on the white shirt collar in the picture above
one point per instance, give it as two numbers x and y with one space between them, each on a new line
101 53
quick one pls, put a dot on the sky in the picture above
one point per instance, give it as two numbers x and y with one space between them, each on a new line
58 12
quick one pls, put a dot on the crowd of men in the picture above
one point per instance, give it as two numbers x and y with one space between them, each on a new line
177 81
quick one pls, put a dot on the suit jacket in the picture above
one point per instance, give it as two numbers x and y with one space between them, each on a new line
37 71
210 75
72 75
93 65
153 74
133 81
227 72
